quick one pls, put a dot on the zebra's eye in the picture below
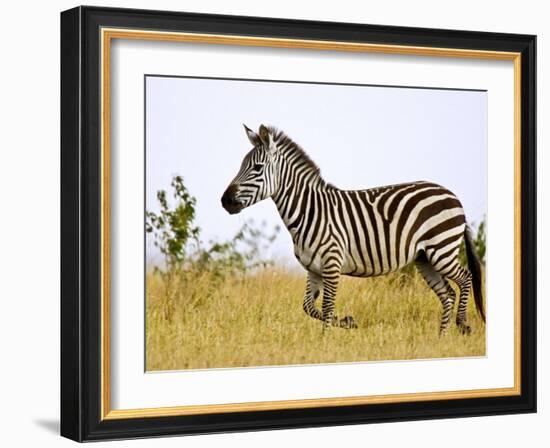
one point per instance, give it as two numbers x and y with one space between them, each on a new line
258 166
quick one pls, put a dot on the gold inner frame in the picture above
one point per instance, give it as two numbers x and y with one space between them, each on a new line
107 35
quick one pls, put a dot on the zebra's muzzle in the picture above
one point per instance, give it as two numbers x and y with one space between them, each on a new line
230 203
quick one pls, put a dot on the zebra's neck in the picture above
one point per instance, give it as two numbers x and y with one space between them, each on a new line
300 182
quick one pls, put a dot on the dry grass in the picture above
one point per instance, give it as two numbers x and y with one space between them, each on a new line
258 320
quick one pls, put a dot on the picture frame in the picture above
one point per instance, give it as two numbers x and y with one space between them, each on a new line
87 34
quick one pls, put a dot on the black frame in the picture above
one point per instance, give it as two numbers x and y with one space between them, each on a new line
81 224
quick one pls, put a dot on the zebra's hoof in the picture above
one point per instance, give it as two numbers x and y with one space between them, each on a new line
464 329
347 323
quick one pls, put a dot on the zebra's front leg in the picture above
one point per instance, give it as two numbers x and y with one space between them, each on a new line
313 289
331 280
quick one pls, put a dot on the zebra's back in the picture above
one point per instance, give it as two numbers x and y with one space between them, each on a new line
387 227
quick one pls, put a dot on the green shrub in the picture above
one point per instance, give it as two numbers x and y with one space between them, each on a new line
178 238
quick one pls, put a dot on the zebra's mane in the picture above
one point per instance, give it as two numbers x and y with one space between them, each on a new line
290 146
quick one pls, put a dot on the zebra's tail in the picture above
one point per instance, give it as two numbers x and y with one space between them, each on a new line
474 266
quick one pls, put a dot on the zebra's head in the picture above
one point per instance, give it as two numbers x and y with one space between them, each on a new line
256 179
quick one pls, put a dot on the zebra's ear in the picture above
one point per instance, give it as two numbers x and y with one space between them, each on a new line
252 136
265 137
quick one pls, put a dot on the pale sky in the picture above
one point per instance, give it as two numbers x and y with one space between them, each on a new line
360 136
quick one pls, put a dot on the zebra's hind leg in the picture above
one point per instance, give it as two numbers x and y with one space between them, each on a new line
441 287
463 278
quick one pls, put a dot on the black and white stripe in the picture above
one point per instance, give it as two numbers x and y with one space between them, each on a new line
360 233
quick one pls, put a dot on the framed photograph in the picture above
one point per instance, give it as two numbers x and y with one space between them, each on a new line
272 223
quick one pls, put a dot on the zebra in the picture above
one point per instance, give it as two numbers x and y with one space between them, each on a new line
361 233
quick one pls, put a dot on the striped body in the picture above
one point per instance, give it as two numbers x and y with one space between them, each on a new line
360 233
377 231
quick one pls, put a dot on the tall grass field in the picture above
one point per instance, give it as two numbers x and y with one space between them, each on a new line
200 320
222 305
